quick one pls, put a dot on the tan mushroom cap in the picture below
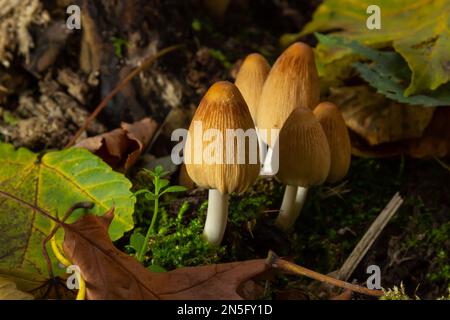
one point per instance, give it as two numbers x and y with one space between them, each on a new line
250 80
292 82
304 155
333 125
222 108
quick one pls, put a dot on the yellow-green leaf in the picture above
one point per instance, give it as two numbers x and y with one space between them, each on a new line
418 30
54 183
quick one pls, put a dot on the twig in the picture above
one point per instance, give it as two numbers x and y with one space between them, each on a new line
369 237
118 88
290 267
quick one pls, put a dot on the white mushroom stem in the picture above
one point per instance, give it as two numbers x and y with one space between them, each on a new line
267 169
216 217
293 201
262 149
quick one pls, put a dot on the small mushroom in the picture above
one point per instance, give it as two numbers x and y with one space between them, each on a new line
222 110
250 80
304 161
292 83
335 129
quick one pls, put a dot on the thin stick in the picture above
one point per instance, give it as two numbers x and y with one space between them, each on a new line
290 267
369 237
118 88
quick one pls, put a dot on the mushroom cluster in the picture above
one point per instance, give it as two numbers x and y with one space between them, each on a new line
300 141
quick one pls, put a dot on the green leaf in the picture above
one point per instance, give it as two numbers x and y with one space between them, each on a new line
163 183
418 30
388 72
142 191
53 183
174 189
156 268
150 196
137 241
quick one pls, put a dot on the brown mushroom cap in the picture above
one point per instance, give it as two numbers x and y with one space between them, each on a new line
250 80
304 155
333 125
222 108
292 82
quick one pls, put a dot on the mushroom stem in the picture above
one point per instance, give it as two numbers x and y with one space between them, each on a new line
262 148
293 201
216 217
267 169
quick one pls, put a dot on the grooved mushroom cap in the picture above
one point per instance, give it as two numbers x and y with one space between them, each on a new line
333 125
304 155
222 108
250 80
292 82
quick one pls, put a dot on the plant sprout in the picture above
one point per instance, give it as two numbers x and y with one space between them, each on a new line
160 187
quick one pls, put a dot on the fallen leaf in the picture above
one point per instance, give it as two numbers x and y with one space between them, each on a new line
9 291
417 30
346 295
53 182
112 274
120 148
436 138
377 119
386 71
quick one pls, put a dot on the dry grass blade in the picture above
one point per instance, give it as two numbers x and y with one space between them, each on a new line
369 237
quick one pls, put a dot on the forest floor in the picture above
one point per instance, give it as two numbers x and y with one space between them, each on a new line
43 104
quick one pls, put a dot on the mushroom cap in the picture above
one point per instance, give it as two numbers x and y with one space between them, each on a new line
250 80
222 108
335 129
304 154
292 82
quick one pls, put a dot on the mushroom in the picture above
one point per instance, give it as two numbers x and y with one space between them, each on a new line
292 83
304 161
250 80
221 112
335 129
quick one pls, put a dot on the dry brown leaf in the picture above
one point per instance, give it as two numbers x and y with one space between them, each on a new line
112 274
346 295
436 138
377 119
120 148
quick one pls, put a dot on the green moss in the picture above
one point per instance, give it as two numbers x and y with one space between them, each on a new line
179 242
